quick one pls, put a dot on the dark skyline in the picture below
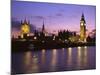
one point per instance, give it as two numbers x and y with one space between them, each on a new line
56 16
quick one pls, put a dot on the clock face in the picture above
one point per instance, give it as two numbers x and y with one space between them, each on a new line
82 24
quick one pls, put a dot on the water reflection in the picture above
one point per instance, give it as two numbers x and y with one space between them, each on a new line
85 56
62 54
43 57
54 57
63 49
54 60
82 57
27 58
27 61
69 59
30 63
35 66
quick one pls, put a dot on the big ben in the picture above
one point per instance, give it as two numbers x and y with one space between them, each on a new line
82 29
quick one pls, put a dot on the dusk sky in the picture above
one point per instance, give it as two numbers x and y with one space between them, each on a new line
56 16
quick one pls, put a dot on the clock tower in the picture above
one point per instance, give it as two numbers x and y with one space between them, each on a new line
82 29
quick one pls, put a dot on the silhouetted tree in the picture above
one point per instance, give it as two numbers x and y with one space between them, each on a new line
65 34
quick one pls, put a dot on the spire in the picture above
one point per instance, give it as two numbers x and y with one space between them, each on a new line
21 22
82 18
43 28
28 22
25 21
82 15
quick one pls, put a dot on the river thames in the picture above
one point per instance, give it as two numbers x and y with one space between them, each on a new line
53 60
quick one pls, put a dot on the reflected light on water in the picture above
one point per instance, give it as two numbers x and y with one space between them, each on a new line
85 47
54 57
85 50
43 57
79 52
82 57
85 56
54 51
69 60
27 61
63 49
79 57
27 58
30 62
63 53
70 51
43 51
53 60
35 67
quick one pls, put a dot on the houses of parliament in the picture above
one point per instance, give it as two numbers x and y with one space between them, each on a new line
25 29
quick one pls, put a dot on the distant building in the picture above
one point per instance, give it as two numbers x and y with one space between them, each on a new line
44 30
82 29
25 29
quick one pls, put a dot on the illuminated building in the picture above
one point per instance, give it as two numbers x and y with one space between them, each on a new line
82 29
25 29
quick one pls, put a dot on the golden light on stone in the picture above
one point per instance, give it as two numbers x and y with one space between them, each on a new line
82 29
25 29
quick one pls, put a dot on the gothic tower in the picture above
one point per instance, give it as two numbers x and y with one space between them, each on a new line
82 29
43 28
44 33
25 29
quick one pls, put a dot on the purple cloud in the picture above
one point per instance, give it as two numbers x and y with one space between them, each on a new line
59 14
